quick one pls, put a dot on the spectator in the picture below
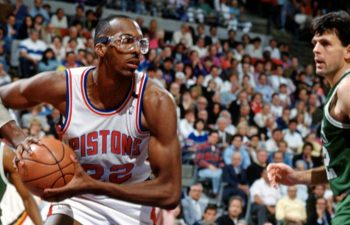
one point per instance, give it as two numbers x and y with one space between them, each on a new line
25 28
225 138
306 156
199 135
90 20
200 48
229 90
273 49
237 146
264 198
272 143
292 136
194 205
31 51
264 88
57 47
235 106
256 167
48 61
317 191
255 50
209 216
73 34
78 17
276 106
322 216
59 20
214 75
183 36
39 10
234 212
235 178
209 162
290 210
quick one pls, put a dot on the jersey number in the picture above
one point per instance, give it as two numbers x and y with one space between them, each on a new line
117 174
330 171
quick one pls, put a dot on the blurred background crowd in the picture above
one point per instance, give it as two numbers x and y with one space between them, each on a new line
241 73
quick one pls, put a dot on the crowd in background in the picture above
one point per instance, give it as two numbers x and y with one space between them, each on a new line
241 104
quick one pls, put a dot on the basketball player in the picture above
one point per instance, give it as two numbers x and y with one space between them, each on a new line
122 127
13 133
332 58
9 174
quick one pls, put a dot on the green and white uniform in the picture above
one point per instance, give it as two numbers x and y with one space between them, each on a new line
336 153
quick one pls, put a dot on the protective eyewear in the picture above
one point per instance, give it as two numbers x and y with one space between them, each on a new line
126 43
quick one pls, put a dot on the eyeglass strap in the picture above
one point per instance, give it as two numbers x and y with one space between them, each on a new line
103 40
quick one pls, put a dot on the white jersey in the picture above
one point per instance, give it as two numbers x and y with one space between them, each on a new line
111 146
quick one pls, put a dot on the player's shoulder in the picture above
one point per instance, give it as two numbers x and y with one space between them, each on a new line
343 87
155 93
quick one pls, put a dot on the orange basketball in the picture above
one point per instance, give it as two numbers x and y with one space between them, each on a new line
49 166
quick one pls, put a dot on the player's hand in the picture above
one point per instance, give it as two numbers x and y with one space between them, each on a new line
81 183
280 173
24 146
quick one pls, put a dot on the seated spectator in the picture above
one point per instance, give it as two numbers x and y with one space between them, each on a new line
276 106
290 210
255 49
321 216
234 212
236 20
194 205
235 178
183 36
48 62
292 136
199 135
256 167
58 48
225 138
264 198
209 162
30 51
209 216
38 9
59 20
237 146
317 191
306 156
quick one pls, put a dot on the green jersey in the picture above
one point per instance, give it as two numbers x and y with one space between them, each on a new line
336 154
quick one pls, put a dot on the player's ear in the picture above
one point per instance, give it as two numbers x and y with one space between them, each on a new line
100 49
347 53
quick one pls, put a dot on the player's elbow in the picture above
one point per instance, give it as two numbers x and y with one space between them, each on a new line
171 202
171 197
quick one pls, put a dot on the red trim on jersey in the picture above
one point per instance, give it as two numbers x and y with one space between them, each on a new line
70 90
120 108
49 213
153 216
138 107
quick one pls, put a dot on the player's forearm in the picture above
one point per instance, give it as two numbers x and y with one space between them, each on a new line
313 176
162 193
33 211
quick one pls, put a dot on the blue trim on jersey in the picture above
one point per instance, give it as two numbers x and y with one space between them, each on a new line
103 110
141 102
67 100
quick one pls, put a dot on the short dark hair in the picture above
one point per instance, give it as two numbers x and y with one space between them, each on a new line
339 22
236 197
211 207
104 28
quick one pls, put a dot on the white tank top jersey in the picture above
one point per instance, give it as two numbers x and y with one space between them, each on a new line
111 146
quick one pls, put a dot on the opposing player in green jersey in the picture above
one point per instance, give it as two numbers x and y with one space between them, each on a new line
331 50
8 174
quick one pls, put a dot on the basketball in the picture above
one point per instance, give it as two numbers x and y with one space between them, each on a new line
49 165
